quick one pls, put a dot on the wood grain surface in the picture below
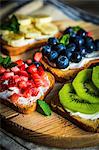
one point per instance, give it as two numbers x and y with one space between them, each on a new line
54 130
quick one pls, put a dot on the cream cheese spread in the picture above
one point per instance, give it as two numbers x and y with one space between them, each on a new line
85 116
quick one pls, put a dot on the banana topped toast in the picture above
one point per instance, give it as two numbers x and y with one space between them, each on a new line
78 101
23 83
21 32
74 51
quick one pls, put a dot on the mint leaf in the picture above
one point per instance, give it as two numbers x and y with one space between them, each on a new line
76 28
6 61
11 25
1 59
64 39
43 108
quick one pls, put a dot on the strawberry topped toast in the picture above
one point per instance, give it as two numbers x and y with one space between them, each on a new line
23 83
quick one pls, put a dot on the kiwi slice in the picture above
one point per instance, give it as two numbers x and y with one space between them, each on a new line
84 87
95 76
70 100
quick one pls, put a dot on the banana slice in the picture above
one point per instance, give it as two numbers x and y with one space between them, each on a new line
30 31
41 18
13 39
24 20
3 32
47 29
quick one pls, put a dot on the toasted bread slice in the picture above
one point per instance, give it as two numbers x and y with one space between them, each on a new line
13 51
86 124
66 75
27 110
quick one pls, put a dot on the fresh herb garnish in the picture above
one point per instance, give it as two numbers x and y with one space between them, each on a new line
11 25
76 28
64 39
43 108
6 62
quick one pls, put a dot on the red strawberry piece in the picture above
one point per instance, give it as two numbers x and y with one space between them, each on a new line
15 69
38 56
24 78
2 70
23 73
22 84
16 78
14 97
35 91
32 69
19 62
89 34
29 61
27 93
11 82
41 71
7 75
30 83
4 87
37 80
22 67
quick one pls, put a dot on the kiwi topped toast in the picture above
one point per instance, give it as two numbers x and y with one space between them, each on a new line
74 51
78 101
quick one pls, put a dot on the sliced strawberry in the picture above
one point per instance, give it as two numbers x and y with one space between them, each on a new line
27 93
30 83
89 34
41 71
37 80
14 98
22 84
38 56
22 73
11 82
22 67
15 69
16 78
2 70
19 62
35 91
24 78
32 69
29 61
7 75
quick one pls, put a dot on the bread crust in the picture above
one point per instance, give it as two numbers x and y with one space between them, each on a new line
63 76
13 51
27 110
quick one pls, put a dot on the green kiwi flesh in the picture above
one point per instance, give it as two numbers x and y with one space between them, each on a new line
70 100
84 87
95 76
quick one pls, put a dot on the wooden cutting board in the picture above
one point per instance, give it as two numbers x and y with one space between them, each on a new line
54 130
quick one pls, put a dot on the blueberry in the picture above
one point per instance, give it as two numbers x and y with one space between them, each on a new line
76 57
53 55
59 48
79 40
69 54
82 32
46 50
97 44
52 41
90 47
37 64
88 40
71 47
83 50
68 30
62 62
